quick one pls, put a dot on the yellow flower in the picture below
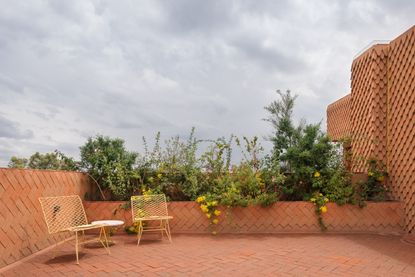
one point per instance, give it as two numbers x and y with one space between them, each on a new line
320 195
317 174
208 215
215 221
217 212
323 209
326 199
212 204
370 173
204 208
159 175
313 199
381 178
200 199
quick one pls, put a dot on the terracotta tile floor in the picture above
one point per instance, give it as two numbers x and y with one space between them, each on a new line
233 255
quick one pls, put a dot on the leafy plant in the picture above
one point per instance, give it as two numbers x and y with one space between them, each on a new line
374 188
266 199
208 205
320 201
108 162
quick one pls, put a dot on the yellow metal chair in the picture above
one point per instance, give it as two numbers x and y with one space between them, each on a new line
148 208
67 214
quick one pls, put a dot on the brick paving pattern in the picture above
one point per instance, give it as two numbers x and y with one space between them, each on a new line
233 255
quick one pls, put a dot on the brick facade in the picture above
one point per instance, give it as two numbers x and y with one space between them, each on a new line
338 118
382 116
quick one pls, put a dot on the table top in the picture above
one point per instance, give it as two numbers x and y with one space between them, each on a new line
109 222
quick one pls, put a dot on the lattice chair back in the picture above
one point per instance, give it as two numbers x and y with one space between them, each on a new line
148 206
63 212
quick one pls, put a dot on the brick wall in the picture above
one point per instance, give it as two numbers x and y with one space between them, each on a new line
401 123
338 118
282 217
382 116
368 107
23 230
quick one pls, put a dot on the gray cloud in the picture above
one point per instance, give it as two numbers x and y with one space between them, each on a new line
7 83
131 68
198 16
10 129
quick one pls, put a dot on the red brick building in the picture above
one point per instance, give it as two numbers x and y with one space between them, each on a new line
379 116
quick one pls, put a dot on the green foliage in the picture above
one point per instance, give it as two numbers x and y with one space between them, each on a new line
310 154
374 188
302 151
16 162
251 151
280 117
320 201
54 161
243 186
108 162
338 187
266 199
175 170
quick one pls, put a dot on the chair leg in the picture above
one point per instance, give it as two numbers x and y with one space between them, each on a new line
162 227
168 230
140 232
76 247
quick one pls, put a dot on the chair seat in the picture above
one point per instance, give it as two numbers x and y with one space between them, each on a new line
85 227
147 218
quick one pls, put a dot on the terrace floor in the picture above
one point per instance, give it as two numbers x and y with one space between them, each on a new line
232 255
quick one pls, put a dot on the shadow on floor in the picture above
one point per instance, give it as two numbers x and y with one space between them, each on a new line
65 258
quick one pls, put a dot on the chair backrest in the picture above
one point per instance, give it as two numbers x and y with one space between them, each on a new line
63 212
144 206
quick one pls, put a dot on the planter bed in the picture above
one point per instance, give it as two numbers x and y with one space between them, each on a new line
281 217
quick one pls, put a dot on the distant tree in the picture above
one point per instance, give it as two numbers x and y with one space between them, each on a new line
16 162
110 164
55 160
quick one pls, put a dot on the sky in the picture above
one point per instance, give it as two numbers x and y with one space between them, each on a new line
74 69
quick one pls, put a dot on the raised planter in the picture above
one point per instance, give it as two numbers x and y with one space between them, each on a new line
282 217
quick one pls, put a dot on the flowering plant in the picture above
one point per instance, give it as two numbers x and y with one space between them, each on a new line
209 208
320 201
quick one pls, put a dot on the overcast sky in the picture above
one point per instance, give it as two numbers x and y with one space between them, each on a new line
73 69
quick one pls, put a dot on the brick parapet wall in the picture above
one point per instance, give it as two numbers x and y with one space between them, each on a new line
282 217
23 230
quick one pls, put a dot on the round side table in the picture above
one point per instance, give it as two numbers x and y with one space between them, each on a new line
109 224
